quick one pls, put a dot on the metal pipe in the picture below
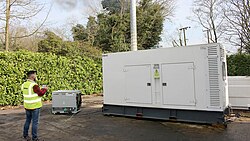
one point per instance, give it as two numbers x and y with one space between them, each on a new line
7 22
133 26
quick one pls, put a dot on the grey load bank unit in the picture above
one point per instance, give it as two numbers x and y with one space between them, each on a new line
66 101
182 83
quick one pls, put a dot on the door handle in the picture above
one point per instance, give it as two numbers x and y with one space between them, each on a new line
164 84
148 84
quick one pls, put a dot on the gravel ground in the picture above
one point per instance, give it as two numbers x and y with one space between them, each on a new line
91 125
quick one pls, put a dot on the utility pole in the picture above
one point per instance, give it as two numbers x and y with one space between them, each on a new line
184 34
133 29
208 38
180 39
7 25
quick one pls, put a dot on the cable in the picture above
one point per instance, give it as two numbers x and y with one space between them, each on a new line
88 113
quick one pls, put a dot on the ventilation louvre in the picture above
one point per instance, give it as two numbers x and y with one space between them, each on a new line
213 76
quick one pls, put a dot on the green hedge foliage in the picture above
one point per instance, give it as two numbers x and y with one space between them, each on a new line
69 73
58 72
238 65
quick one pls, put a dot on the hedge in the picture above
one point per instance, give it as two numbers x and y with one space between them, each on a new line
58 72
238 65
61 73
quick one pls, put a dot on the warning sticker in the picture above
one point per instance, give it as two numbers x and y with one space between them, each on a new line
156 74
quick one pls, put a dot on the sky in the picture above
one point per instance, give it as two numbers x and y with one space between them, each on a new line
181 18
65 13
70 11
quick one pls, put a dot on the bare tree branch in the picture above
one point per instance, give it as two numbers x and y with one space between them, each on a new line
26 15
238 23
13 2
209 16
18 11
45 19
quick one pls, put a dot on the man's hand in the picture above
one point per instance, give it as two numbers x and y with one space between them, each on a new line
46 87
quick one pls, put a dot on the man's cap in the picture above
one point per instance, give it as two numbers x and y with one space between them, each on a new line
31 72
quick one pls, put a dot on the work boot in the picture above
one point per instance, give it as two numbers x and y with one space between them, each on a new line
37 139
27 138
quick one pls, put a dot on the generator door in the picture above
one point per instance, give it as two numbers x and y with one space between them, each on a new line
138 84
178 84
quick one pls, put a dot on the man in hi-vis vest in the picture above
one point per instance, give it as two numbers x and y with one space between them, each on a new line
32 95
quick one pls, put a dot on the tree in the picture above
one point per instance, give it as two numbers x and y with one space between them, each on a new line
149 24
53 44
111 30
114 28
237 14
28 43
210 16
91 28
113 34
86 34
115 6
79 33
1 46
16 11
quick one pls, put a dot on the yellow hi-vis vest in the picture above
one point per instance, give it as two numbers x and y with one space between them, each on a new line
31 99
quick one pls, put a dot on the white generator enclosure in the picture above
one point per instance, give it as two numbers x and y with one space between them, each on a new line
181 83
239 92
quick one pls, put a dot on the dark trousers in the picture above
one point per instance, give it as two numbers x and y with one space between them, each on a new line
34 116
